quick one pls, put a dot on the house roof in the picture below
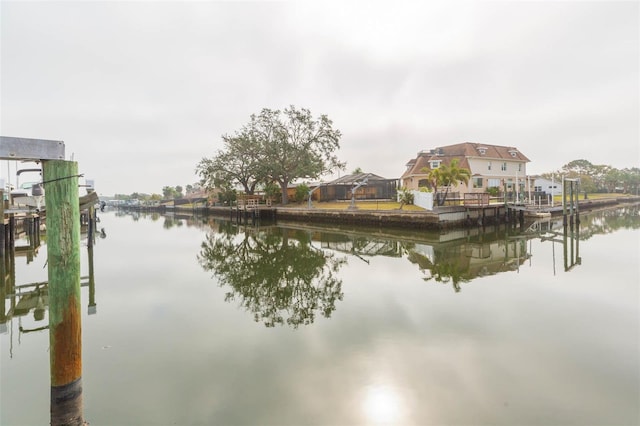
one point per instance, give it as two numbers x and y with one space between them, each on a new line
462 151
357 177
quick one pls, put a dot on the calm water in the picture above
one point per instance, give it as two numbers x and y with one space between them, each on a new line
200 321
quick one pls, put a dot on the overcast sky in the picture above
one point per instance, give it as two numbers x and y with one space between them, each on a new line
141 91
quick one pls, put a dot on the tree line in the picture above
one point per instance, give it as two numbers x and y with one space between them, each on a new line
168 193
600 178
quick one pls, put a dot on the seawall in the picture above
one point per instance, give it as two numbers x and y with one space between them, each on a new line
441 218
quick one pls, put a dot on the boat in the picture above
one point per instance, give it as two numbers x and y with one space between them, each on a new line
29 194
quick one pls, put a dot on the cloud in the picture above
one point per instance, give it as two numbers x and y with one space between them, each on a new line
153 85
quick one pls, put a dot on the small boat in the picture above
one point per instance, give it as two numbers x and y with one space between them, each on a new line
31 194
28 194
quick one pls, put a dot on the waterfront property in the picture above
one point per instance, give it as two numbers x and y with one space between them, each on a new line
476 210
547 186
491 166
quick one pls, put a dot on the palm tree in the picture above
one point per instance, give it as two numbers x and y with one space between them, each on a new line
447 175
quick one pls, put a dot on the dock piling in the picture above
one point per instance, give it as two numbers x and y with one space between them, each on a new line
63 257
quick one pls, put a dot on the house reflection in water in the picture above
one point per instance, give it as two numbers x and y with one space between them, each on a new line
456 256
467 260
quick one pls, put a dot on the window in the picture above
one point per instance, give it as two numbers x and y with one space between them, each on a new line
493 183
489 165
510 184
434 164
519 167
477 182
503 167
423 183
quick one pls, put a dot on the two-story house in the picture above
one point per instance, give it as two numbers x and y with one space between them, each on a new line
490 166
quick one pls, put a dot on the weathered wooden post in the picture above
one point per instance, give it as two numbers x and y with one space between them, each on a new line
577 202
3 271
63 256
12 231
3 243
91 225
92 308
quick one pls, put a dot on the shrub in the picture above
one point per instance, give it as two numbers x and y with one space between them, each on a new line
272 191
493 191
406 196
302 191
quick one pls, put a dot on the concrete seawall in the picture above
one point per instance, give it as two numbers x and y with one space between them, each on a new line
440 218
382 218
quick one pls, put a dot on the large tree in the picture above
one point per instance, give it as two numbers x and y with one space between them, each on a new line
275 146
238 163
293 145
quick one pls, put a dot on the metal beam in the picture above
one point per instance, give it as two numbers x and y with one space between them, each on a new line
30 149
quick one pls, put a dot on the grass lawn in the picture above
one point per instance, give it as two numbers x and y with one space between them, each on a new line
361 205
392 205
592 196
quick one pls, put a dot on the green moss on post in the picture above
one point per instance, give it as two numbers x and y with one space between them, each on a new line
63 258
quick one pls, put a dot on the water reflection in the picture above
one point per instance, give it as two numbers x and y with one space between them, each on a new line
275 273
32 299
66 397
286 274
513 343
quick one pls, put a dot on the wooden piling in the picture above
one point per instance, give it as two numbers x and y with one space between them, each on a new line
92 308
63 257
91 225
12 231
3 234
3 295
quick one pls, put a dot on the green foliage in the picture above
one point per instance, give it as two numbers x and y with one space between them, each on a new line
272 191
599 178
405 197
275 146
133 196
447 175
171 192
357 171
493 191
239 162
227 195
302 192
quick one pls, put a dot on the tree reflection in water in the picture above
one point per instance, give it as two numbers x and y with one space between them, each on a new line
275 273
447 269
